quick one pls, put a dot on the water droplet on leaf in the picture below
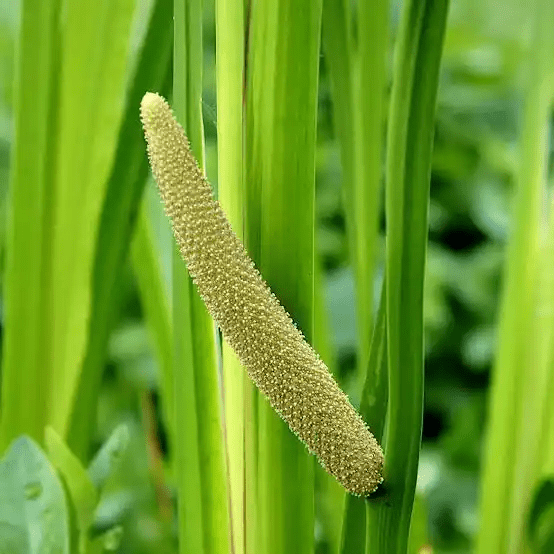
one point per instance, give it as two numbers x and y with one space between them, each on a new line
33 490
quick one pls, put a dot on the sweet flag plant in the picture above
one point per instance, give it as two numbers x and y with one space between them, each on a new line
271 348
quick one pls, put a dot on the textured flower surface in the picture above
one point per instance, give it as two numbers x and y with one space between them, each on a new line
274 352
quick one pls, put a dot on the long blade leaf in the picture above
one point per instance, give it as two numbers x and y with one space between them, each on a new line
119 212
201 464
409 150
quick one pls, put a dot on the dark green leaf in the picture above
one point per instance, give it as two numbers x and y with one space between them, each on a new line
541 518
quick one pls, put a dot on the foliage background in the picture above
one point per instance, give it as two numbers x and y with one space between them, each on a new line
478 122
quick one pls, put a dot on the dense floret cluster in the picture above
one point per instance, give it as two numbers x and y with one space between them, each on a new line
274 352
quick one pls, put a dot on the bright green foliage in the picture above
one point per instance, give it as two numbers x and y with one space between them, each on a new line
62 157
373 408
26 381
237 387
48 512
78 169
108 457
121 203
34 517
409 150
200 459
521 399
89 110
82 492
331 493
357 67
281 96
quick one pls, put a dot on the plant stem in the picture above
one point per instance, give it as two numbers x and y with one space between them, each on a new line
369 89
409 150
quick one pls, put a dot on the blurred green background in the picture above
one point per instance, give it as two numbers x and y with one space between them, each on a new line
478 121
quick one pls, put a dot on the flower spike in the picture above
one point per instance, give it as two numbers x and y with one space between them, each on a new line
274 352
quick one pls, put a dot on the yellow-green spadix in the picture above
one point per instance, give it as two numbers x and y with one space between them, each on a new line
274 352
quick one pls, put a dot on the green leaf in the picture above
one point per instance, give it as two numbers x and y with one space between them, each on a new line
358 75
419 536
368 89
26 379
540 526
408 173
520 396
146 254
353 526
332 493
200 458
236 383
281 95
33 509
373 404
109 456
89 112
112 538
373 409
81 489
121 204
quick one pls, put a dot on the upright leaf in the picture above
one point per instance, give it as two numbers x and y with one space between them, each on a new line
408 172
521 371
236 384
201 476
373 408
82 492
121 204
26 378
281 96
90 104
